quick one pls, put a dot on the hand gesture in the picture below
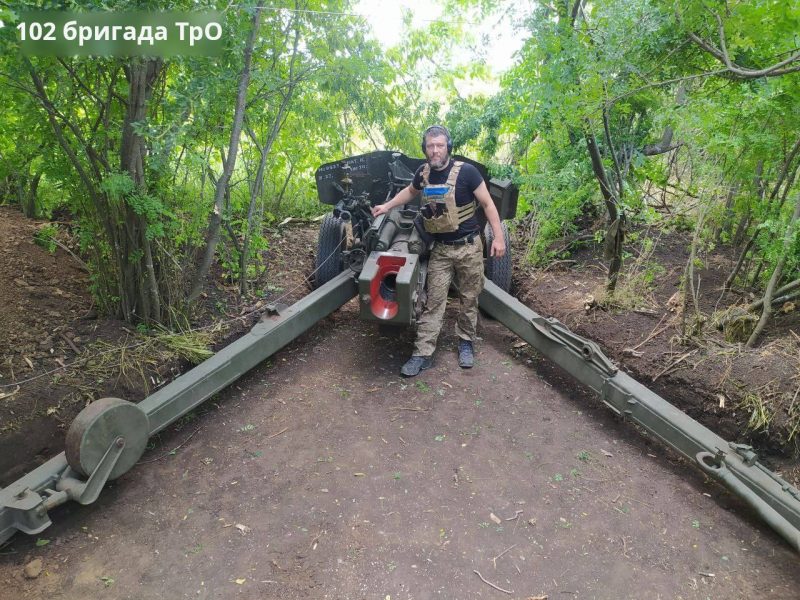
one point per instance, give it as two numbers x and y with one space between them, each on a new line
379 210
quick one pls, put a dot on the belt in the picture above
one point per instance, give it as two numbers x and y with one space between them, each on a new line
462 241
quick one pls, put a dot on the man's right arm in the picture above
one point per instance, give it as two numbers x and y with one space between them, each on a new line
404 196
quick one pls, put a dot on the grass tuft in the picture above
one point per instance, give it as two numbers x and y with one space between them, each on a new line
760 414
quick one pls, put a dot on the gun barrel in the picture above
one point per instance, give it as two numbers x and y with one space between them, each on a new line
387 232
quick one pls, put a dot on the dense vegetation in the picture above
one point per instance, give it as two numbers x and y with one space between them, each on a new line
619 119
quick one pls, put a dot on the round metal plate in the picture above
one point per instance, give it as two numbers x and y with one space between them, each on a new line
95 429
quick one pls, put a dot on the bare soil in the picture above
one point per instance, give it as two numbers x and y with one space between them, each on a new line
48 322
709 378
321 474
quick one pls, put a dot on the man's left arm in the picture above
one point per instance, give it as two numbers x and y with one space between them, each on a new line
481 193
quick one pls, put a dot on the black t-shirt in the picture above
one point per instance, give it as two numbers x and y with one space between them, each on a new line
469 178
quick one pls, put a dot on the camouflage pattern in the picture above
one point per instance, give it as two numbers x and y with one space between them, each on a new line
466 262
443 214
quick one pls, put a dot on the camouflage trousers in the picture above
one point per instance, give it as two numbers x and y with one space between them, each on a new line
466 263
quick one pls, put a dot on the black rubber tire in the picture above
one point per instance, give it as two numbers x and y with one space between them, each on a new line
330 245
498 270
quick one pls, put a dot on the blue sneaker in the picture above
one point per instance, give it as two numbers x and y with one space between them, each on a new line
466 357
415 364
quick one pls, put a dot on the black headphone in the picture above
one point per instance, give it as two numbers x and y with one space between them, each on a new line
446 133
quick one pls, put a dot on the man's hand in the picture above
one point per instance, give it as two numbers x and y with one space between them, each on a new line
403 196
380 209
498 248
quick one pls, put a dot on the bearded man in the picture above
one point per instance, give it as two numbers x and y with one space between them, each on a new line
451 192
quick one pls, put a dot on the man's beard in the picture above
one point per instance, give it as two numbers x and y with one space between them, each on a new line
440 163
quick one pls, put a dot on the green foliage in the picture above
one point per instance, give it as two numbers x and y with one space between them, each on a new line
45 237
321 89
305 107
117 185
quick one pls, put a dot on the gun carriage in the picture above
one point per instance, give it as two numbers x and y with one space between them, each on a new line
383 262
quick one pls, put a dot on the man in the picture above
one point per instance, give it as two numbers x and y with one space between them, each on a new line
450 190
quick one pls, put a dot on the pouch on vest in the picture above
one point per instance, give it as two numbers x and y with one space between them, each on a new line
438 207
440 214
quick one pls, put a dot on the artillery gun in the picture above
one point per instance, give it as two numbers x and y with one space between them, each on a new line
382 261
388 254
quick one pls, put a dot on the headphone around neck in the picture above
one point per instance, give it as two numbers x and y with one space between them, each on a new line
438 130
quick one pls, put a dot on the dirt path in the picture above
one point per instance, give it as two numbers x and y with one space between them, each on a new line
321 475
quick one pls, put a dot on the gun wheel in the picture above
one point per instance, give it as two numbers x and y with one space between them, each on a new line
98 426
330 245
498 270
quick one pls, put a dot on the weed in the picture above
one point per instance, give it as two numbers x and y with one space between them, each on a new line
558 477
397 476
196 549
794 421
132 359
474 431
185 420
760 414
191 345
635 285
633 291
46 236
422 386
584 456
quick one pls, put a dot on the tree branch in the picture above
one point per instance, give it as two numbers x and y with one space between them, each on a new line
662 147
613 152
721 54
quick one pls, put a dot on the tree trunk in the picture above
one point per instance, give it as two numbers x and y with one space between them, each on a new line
732 276
689 290
90 180
615 235
139 269
257 186
727 219
783 292
29 207
215 219
279 199
776 276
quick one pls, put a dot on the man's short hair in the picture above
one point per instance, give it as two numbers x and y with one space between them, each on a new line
436 130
